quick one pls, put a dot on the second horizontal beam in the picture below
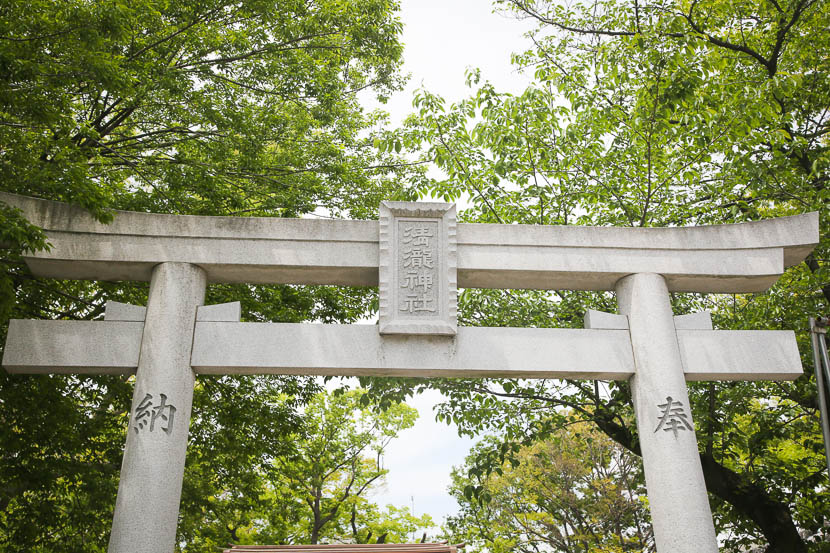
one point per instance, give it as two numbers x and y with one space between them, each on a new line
112 347
359 350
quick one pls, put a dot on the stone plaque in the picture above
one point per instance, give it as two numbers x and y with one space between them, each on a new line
417 269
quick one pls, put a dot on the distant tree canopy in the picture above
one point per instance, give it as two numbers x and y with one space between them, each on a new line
194 107
575 491
243 108
316 490
653 113
231 108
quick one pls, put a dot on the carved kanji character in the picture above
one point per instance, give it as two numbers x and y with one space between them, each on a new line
673 417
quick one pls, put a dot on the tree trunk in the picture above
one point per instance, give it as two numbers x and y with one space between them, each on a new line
749 499
753 501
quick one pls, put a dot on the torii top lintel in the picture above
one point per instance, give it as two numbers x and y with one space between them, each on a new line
746 257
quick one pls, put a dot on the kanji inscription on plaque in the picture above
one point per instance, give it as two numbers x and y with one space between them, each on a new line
417 269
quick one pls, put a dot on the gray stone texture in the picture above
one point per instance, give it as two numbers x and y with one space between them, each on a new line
681 517
746 257
357 350
146 510
601 319
117 311
701 320
417 258
739 354
72 347
228 312
223 346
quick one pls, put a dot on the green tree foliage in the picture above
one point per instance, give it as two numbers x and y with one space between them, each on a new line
244 108
334 465
193 107
575 491
218 107
655 113
315 489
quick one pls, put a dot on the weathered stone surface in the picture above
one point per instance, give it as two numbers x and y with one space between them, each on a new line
84 347
230 249
601 319
739 354
72 347
280 348
679 505
693 321
746 257
117 311
147 506
417 268
228 312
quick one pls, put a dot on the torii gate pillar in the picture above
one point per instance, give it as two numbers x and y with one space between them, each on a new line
680 513
150 488
419 256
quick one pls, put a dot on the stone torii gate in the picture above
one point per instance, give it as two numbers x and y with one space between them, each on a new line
418 255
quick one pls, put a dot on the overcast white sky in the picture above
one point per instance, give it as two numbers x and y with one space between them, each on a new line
442 39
